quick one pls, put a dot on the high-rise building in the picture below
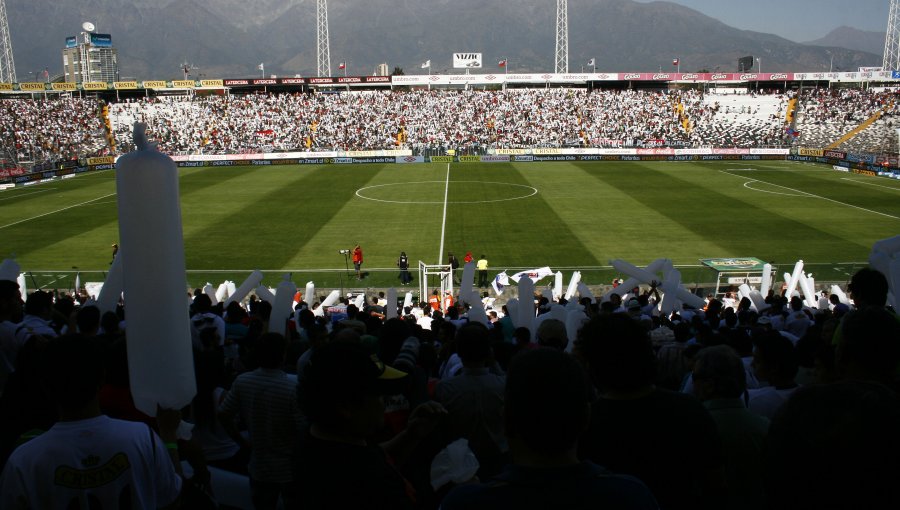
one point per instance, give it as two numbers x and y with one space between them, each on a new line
90 57
382 70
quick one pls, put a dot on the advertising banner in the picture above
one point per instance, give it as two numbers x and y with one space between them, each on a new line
105 160
441 159
467 60
101 40
64 86
153 84
212 83
520 158
6 86
94 85
835 154
470 159
511 152
810 152
183 84
125 85
31 86
403 160
495 159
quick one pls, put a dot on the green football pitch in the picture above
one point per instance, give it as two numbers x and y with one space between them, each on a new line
571 215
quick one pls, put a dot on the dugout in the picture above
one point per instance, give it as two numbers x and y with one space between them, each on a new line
734 271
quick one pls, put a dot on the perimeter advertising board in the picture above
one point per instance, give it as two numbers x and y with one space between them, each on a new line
467 60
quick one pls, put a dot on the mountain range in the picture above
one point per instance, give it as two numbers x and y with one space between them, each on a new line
852 39
230 38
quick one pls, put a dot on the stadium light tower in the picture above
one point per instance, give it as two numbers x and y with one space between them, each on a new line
323 54
7 64
891 60
562 36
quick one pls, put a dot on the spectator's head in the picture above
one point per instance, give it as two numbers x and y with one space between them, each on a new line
868 287
522 336
74 373
618 352
10 301
547 403
88 320
39 304
718 373
270 350
835 446
473 344
552 333
202 303
775 359
869 347
342 389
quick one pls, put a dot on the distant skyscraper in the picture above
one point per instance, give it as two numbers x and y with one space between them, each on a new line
90 57
382 70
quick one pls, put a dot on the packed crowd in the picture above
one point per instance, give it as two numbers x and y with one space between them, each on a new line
51 130
723 407
825 115
65 128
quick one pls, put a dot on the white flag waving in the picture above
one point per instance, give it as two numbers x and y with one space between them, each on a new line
500 281
426 64
534 274
591 62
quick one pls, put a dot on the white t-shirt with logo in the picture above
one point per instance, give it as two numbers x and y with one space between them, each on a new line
98 463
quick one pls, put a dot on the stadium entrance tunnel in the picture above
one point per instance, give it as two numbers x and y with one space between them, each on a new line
457 192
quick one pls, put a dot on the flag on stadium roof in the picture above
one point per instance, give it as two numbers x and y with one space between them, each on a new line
261 66
502 63
342 65
426 64
591 62
674 61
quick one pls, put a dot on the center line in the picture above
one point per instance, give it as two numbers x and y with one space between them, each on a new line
444 221
813 195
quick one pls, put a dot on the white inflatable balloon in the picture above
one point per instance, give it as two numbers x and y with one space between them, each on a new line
573 285
390 310
766 280
249 284
282 306
159 336
112 287
795 278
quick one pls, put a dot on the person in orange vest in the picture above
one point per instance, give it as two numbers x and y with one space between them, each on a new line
435 301
448 301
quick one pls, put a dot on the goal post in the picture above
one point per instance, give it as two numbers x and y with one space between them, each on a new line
434 276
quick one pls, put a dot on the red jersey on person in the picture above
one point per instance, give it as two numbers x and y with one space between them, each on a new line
357 256
435 303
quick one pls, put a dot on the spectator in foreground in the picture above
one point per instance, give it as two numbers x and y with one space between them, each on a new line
547 409
342 395
88 460
720 382
835 446
665 439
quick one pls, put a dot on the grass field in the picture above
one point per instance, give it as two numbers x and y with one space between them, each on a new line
565 215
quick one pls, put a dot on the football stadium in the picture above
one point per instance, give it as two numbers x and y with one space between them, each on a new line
467 288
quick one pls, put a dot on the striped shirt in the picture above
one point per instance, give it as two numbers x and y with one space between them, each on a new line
266 400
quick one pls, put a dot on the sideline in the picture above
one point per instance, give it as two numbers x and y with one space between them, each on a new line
56 211
444 221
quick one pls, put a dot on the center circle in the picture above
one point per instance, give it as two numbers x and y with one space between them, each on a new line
523 191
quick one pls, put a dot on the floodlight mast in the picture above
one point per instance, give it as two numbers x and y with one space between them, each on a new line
7 62
891 60
562 36
323 53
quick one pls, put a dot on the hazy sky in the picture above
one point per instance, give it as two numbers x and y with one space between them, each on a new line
797 20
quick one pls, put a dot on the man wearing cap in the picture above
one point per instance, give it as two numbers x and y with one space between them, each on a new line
342 395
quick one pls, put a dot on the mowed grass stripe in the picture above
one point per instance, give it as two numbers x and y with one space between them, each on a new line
716 206
383 229
262 223
856 228
524 232
612 224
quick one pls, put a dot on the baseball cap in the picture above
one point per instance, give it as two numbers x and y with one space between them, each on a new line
348 370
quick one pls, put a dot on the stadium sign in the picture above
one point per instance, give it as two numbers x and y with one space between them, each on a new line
495 159
154 84
734 264
94 85
467 60
125 85
70 86
183 84
211 83
232 83
6 86
31 86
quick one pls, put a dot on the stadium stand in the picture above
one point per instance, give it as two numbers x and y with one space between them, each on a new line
431 121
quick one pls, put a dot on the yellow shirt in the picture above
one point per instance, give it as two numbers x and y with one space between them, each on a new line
481 265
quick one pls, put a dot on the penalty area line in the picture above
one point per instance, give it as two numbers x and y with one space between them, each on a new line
56 211
812 195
